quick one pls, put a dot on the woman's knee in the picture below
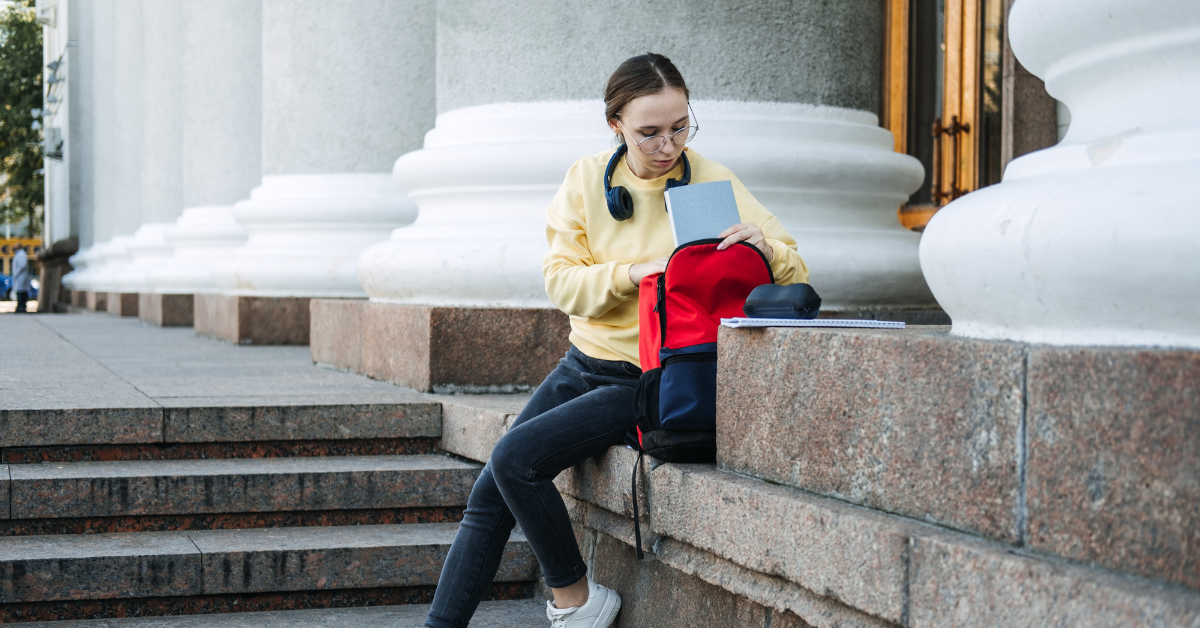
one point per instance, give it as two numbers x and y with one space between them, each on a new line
510 460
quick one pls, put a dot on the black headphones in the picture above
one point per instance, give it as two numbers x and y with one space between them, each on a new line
620 203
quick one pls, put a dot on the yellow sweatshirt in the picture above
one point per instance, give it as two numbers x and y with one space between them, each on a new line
587 266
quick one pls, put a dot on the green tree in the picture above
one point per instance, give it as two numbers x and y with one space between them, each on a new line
21 192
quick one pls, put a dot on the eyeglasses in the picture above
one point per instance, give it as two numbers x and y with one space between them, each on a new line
654 143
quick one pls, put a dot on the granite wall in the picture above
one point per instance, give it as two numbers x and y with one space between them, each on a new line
870 478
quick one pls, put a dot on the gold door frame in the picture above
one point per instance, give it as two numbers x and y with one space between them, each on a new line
956 158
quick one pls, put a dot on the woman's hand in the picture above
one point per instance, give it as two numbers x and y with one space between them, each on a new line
638 272
745 232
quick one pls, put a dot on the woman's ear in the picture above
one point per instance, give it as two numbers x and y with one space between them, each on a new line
615 125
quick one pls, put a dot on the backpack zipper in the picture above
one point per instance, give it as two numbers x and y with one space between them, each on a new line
660 306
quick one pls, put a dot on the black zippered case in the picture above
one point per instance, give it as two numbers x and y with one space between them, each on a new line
797 301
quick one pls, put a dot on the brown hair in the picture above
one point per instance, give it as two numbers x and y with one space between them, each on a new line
638 76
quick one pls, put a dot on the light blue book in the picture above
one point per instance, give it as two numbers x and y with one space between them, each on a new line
701 210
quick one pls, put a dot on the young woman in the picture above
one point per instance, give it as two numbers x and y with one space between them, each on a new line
585 406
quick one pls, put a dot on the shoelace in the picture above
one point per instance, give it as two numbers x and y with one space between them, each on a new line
558 616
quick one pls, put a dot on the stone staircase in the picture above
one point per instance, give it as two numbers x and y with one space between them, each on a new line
199 511
907 479
106 535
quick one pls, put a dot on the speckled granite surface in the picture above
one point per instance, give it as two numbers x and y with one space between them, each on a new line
96 379
158 564
503 614
440 348
60 394
106 489
1114 458
907 421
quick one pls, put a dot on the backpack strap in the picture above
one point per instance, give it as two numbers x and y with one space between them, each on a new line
637 528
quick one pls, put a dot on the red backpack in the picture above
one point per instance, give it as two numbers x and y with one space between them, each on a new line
679 312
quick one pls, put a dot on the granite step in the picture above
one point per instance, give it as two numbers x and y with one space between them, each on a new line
182 564
495 614
100 381
302 448
161 487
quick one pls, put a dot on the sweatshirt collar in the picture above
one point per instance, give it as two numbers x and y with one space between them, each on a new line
660 183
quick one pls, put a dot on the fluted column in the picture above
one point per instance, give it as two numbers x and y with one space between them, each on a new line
160 169
128 63
220 149
345 88
785 94
97 165
121 146
1092 241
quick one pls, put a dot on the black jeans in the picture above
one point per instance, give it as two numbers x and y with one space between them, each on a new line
22 299
584 407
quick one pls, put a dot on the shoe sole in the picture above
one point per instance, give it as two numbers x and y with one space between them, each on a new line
609 615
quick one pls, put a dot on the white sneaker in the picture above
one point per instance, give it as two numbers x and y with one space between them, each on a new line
599 611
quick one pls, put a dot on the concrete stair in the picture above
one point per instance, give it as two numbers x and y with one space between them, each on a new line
107 489
162 564
186 535
181 480
496 614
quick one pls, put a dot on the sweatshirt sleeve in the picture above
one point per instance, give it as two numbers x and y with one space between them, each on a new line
786 264
575 283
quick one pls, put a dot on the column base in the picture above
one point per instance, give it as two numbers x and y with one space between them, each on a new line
252 320
122 303
440 348
166 310
95 301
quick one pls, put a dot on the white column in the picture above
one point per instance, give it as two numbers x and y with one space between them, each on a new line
126 117
787 105
344 91
97 164
160 169
1093 241
117 153
59 39
221 145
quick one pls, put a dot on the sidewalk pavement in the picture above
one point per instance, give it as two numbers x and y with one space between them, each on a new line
99 361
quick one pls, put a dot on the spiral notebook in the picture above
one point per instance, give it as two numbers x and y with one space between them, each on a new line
819 322
701 211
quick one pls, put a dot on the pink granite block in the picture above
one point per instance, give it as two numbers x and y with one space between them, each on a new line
472 424
336 333
96 301
486 347
398 345
253 320
856 556
1114 458
462 348
166 310
122 303
605 482
913 422
959 582
654 594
